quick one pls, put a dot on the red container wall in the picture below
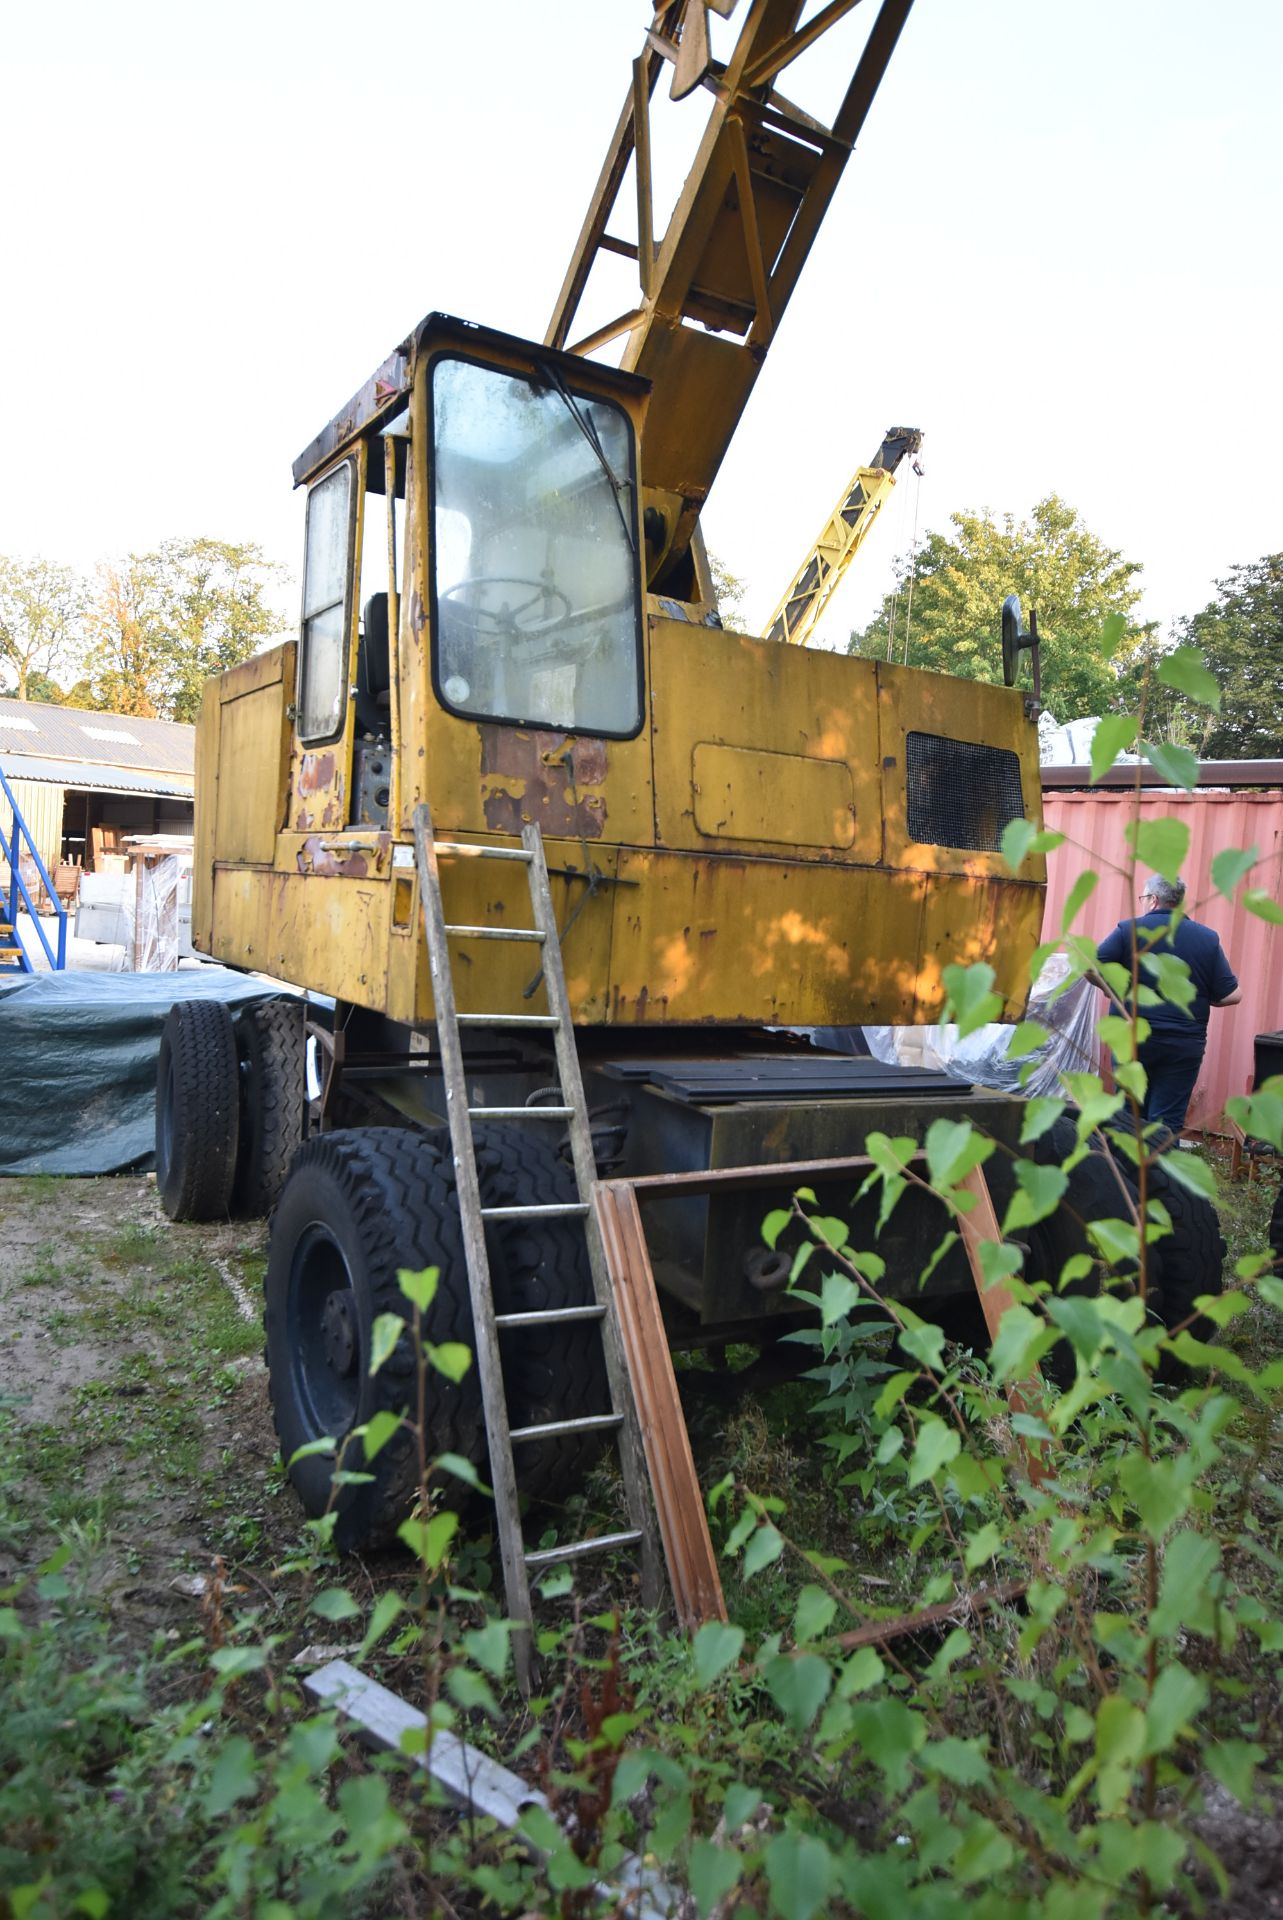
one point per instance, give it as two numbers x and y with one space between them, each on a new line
1094 824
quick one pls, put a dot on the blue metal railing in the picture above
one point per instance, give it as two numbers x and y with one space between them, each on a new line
10 852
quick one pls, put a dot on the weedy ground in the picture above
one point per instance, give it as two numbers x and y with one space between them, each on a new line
134 1427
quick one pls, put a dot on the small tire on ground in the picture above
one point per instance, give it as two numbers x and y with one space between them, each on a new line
271 1047
197 1088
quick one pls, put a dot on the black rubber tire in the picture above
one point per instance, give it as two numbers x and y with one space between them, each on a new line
197 1094
356 1207
557 1372
270 1044
1092 1194
1275 1235
1189 1260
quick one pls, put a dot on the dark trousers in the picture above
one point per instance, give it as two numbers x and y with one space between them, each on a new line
1171 1069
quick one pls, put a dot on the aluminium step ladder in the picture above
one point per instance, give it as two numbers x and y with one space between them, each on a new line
621 1417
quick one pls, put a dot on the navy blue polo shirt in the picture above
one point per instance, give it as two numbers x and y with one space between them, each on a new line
1201 950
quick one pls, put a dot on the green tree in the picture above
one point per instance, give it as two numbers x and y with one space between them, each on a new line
1241 634
945 609
42 610
163 622
730 591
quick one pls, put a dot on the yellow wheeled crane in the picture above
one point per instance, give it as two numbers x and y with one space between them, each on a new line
507 629
841 537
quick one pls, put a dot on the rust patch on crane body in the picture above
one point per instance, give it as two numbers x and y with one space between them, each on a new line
549 779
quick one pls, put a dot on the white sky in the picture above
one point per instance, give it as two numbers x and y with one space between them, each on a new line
1056 250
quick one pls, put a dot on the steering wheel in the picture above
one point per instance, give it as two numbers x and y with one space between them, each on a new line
510 622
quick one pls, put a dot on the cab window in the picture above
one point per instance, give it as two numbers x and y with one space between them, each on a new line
535 572
327 572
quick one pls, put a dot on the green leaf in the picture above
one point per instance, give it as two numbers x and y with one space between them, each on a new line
384 1334
234 1776
1176 765
958 1760
982 1546
311 1447
799 1872
1112 629
471 1690
1114 735
420 1289
937 1444
379 1429
715 1647
775 1223
93 1902
1039 1116
972 1003
429 1540
799 1685
1039 1191
388 1609
1020 1342
489 1646
890 1734
1234 1764
461 1469
335 1603
1230 866
838 1295
1186 670
814 1614
1079 894
741 1804
954 1149
451 1359
1190 1565
714 1871
765 1546
863 1670
1263 905
1026 1040
1188 1171
1178 1697
925 1342
1159 844
1120 1742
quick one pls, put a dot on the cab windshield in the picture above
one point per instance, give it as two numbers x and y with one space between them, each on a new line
536 581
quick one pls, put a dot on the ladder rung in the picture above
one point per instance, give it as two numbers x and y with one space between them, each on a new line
507 1020
549 1316
549 1210
521 1113
497 933
576 1549
591 1423
483 853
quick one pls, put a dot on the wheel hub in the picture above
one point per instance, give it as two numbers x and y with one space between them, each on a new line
338 1332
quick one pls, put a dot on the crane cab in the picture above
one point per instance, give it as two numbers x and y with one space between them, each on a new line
744 833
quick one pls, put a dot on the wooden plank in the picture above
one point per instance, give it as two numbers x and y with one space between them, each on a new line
876 1633
679 1503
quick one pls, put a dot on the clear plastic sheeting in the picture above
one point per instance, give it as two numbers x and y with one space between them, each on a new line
149 907
1069 1014
78 1064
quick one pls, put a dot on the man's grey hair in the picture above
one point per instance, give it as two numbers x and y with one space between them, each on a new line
1164 893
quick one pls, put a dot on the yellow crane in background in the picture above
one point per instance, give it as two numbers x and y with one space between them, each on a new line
841 537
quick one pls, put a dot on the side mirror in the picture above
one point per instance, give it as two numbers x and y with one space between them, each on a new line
1015 641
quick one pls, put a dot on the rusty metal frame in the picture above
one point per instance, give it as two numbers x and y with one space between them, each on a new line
688 1548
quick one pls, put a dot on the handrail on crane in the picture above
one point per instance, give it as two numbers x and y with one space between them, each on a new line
844 532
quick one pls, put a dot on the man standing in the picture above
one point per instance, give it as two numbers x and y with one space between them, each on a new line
1173 1052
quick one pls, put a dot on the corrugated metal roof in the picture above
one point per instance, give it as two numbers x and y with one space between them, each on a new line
116 740
94 778
1094 823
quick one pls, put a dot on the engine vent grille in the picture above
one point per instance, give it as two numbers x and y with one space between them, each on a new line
961 794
